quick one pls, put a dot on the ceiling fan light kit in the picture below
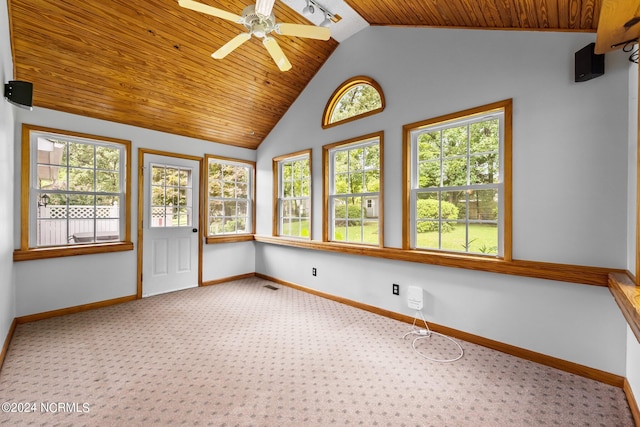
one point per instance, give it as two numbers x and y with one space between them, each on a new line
259 22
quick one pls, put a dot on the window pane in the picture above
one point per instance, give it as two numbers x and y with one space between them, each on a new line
484 169
355 101
427 206
215 189
454 172
108 217
341 185
242 190
483 205
341 162
287 171
215 171
108 158
108 182
184 176
216 208
81 155
287 189
453 205
370 232
228 189
454 141
171 196
215 225
372 181
171 176
483 238
453 236
485 136
157 196
242 174
157 175
429 174
357 183
230 209
372 157
356 161
428 146
305 188
81 179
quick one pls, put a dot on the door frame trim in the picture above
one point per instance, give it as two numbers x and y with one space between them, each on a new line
141 183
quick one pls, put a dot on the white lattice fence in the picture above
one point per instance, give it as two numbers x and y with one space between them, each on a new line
55 229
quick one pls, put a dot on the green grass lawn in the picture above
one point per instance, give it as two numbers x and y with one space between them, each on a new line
483 238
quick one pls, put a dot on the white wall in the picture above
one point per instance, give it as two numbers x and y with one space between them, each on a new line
569 180
633 347
7 294
52 284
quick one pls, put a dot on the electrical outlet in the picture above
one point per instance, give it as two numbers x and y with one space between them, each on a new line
314 272
396 289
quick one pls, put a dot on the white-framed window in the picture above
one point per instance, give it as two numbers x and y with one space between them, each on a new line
230 207
171 196
354 175
458 181
77 192
293 202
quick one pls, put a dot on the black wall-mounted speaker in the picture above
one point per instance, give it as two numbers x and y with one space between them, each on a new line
588 65
19 93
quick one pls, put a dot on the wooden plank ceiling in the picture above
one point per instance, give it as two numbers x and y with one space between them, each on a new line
147 63
572 15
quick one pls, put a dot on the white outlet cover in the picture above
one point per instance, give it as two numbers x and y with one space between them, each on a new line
414 298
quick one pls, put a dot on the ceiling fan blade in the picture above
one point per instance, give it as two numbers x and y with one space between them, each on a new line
276 53
264 7
308 31
232 44
210 10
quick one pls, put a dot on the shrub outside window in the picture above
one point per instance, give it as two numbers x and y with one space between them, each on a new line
353 184
460 188
230 207
293 204
77 190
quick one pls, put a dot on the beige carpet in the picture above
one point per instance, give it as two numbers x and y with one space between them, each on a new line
241 354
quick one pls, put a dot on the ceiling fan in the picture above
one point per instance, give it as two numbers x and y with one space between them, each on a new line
260 23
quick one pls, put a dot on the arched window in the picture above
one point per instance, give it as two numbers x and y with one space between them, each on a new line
358 97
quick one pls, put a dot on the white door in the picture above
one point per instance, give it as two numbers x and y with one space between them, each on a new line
170 224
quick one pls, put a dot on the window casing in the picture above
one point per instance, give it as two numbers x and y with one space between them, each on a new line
230 200
460 182
76 193
353 178
293 186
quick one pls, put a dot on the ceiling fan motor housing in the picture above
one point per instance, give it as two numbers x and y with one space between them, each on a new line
257 24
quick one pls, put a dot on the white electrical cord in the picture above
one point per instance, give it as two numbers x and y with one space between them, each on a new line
426 333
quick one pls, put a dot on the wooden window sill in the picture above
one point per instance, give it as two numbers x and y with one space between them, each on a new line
63 251
229 238
586 275
627 296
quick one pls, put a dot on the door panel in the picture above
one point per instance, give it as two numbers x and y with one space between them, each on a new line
171 207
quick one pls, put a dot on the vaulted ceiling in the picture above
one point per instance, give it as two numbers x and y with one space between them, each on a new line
147 63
